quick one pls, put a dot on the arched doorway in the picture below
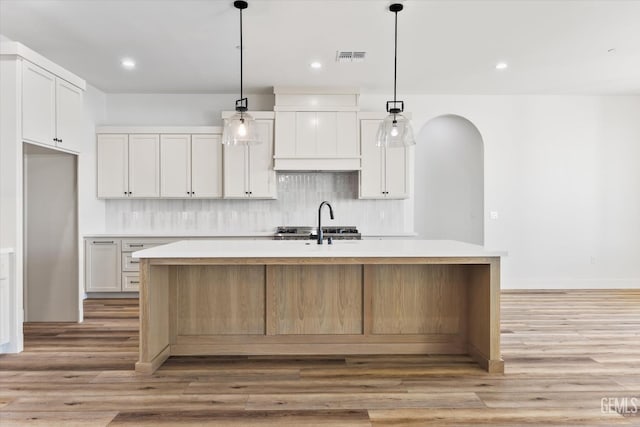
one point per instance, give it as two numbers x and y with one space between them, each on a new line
449 181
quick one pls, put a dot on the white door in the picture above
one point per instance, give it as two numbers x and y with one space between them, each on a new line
113 172
102 266
235 171
38 105
206 166
144 165
372 172
396 173
262 177
68 116
175 166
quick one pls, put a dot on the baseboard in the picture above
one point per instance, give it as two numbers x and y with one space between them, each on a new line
112 295
557 283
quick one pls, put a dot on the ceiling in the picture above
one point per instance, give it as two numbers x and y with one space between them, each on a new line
449 46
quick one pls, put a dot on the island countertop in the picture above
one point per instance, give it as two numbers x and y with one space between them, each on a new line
310 249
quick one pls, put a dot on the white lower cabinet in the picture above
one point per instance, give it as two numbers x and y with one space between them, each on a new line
384 172
102 265
110 266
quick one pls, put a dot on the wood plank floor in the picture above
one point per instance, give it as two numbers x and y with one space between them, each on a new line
564 352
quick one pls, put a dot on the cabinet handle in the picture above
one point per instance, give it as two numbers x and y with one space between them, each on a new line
134 262
136 245
134 281
103 242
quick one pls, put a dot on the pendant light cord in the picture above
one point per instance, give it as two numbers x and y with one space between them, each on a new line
395 60
241 55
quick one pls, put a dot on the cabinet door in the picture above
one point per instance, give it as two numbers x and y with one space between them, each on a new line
235 171
306 134
102 265
175 166
326 134
347 134
285 129
206 166
38 104
112 155
144 165
372 171
262 177
396 179
68 116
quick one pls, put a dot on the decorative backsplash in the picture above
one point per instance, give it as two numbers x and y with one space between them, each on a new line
299 195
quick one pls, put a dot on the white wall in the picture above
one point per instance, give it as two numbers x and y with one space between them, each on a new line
561 171
176 109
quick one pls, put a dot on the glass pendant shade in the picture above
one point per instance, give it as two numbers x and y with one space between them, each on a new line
395 131
240 129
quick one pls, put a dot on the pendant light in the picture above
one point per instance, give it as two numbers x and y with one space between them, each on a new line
395 130
241 128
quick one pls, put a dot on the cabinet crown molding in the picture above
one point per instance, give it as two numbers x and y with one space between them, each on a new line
19 50
159 129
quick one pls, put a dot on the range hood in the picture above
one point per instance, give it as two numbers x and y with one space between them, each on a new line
316 129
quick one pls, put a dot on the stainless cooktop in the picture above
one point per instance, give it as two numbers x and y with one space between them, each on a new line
305 232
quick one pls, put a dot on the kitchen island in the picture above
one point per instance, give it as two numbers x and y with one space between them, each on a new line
226 297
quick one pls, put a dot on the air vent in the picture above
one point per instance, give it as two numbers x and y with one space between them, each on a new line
350 56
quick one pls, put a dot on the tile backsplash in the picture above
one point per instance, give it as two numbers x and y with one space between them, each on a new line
299 195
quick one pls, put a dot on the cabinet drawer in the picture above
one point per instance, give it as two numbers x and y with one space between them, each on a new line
138 245
130 282
129 263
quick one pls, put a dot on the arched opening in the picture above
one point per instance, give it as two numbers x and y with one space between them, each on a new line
449 181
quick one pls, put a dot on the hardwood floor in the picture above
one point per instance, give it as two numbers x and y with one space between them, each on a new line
564 352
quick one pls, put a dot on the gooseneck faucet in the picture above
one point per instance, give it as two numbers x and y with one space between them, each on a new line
320 219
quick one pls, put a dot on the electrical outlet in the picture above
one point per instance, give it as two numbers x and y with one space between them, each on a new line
493 214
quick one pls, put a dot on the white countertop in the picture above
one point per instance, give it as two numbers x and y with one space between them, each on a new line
178 235
147 235
310 249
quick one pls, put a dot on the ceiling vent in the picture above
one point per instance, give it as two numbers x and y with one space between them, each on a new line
350 56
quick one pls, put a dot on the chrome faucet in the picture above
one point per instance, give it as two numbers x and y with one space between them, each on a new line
320 219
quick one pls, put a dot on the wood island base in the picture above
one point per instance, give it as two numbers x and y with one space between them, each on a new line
319 306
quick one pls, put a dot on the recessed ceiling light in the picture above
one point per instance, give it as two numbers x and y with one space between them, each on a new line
502 66
128 64
316 65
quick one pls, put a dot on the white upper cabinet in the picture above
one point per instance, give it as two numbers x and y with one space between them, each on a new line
191 166
51 109
113 166
128 166
68 116
248 170
206 166
385 171
316 129
38 105
144 166
175 165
